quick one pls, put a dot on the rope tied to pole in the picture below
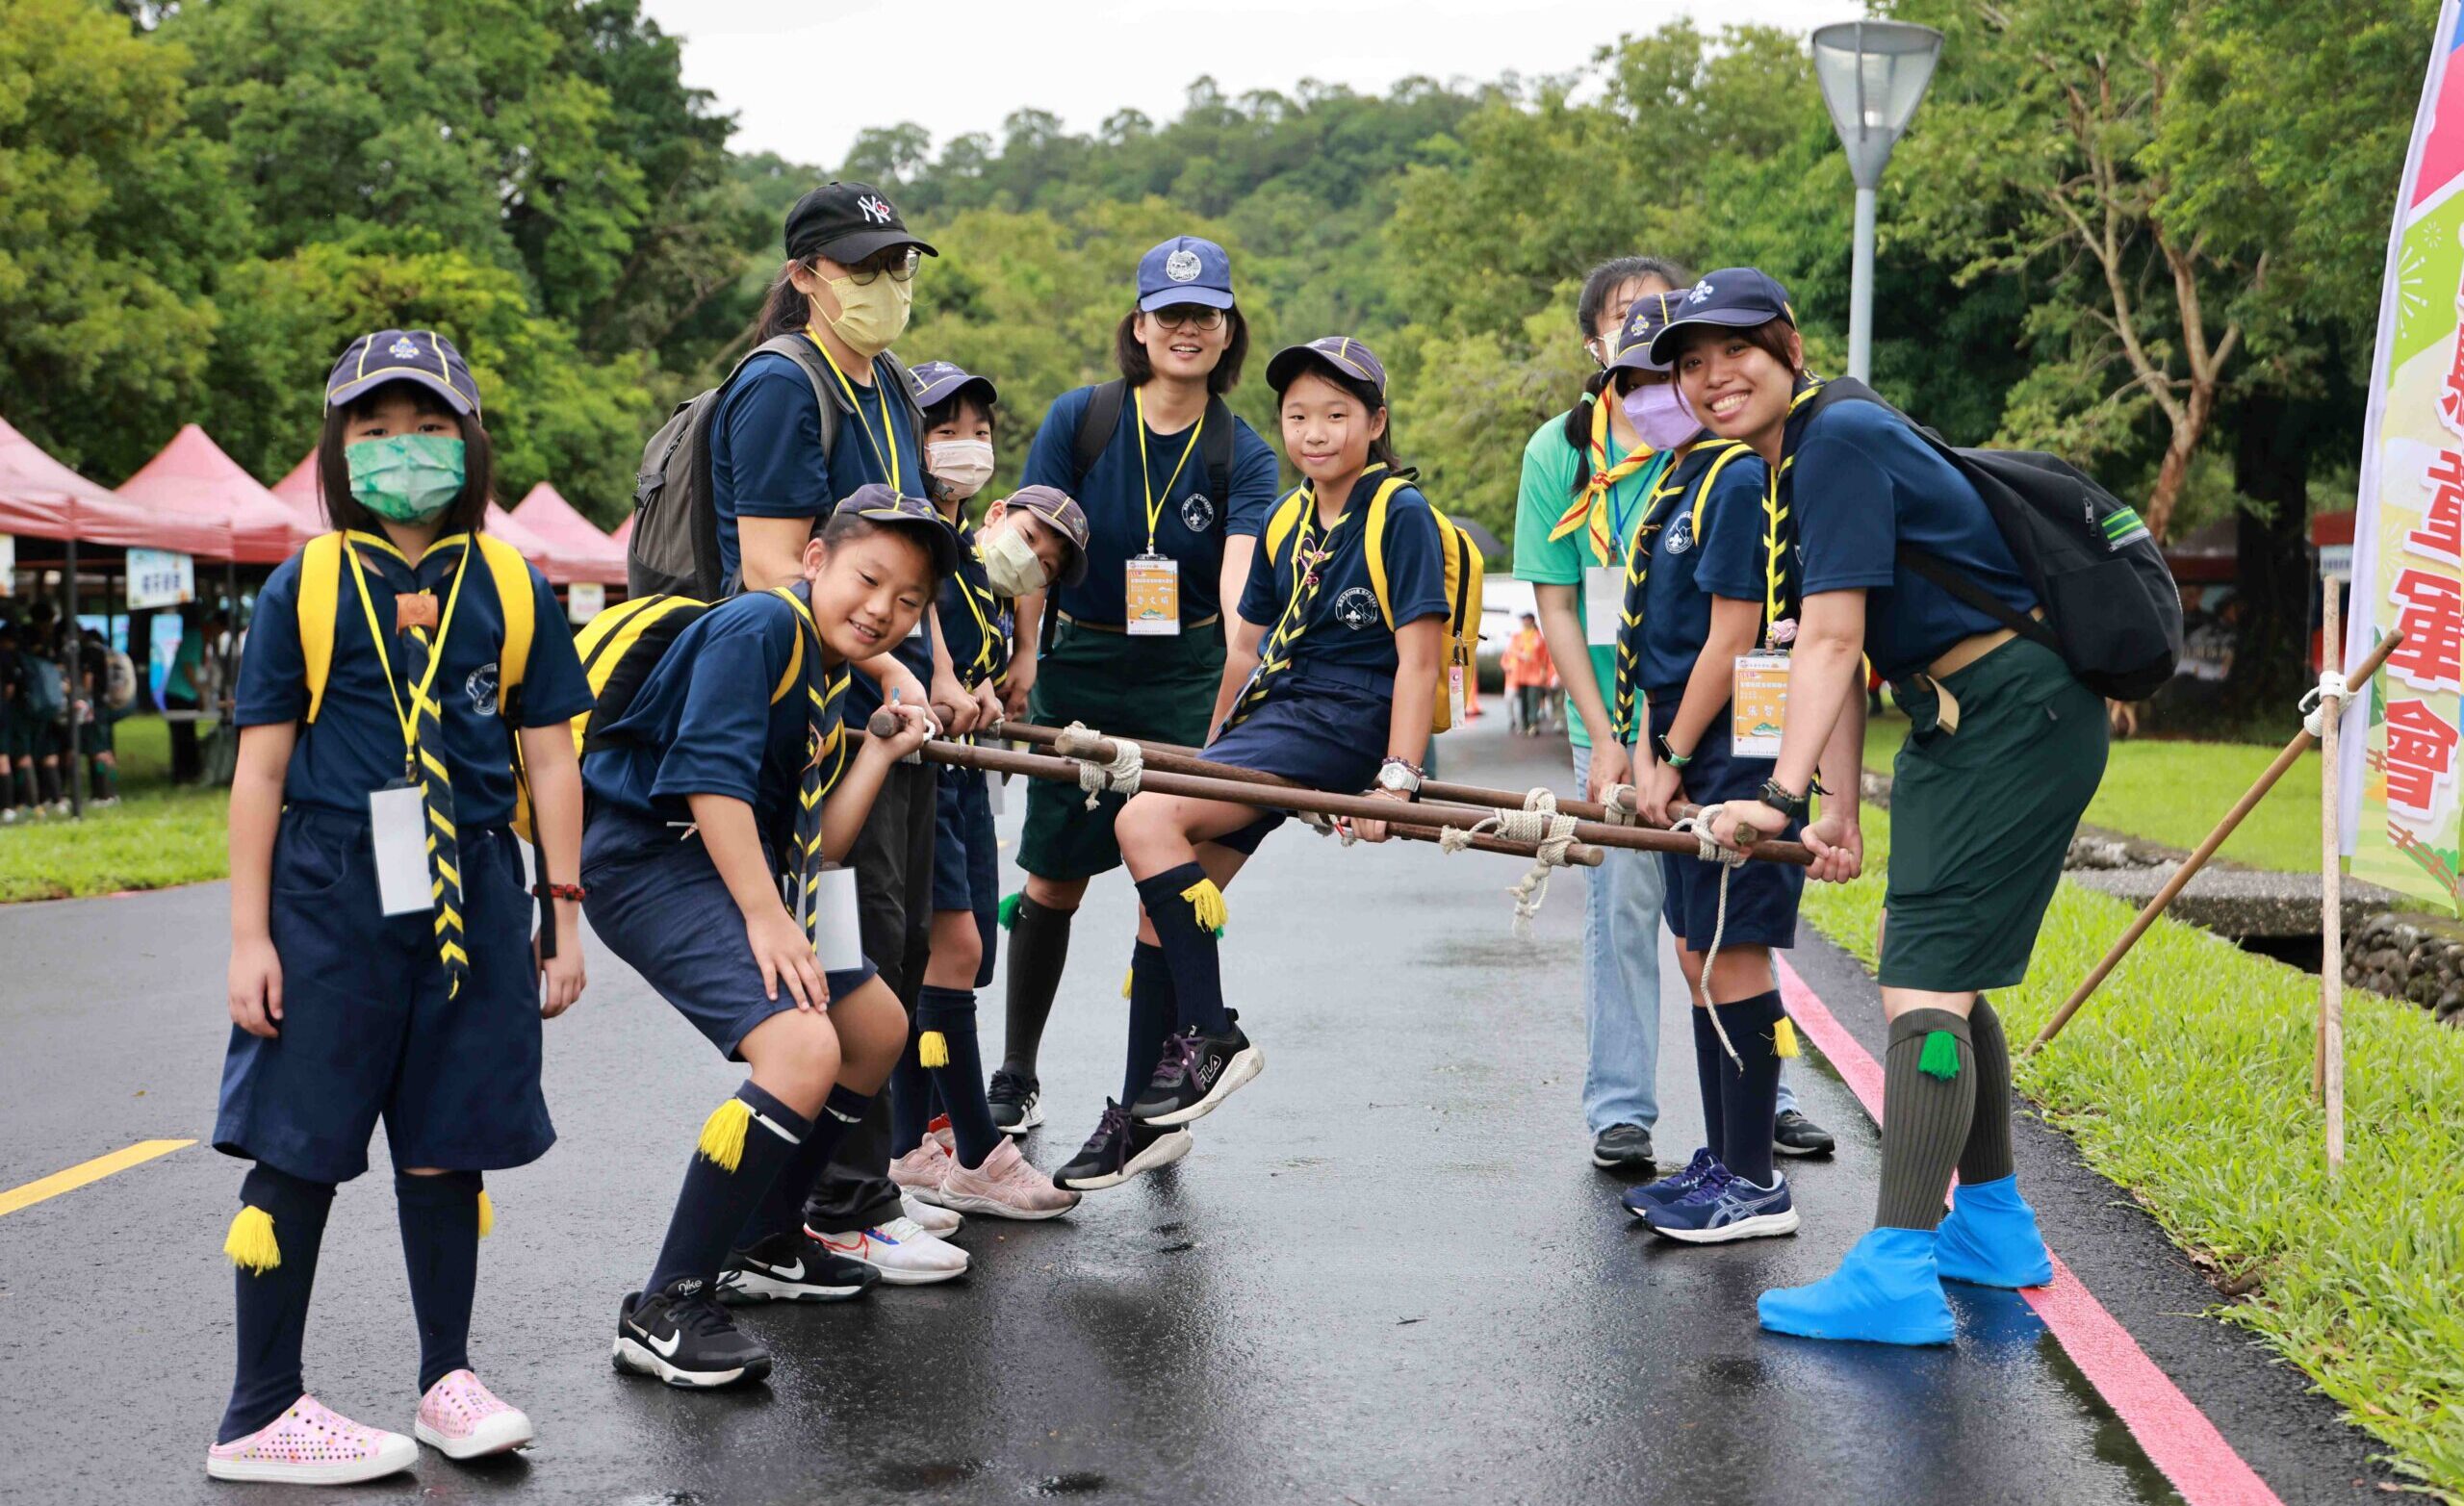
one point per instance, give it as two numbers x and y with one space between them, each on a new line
2313 708
1619 805
1538 823
1698 825
1122 774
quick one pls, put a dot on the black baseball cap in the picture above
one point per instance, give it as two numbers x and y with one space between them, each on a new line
1734 297
880 505
1337 352
1645 317
403 355
935 382
1068 519
846 222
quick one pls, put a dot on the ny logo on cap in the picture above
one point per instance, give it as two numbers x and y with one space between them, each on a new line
1181 265
876 209
402 349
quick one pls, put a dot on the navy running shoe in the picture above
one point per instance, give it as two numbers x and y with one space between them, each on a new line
1726 1206
1641 1200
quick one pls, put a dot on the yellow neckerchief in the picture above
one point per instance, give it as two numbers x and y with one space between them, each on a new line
1146 479
884 450
1305 561
409 719
818 700
1775 605
1591 504
985 636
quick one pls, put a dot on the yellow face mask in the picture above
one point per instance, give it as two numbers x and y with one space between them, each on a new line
871 316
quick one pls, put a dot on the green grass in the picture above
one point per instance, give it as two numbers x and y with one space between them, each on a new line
158 836
2187 1080
2176 792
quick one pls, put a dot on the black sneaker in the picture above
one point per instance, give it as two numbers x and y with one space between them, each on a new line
793 1268
1197 1072
1623 1147
1792 1133
1018 1102
1119 1149
679 1336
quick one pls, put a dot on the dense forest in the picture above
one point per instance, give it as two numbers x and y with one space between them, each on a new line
2147 233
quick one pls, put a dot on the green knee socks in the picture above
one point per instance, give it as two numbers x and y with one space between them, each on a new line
1929 1104
1987 1156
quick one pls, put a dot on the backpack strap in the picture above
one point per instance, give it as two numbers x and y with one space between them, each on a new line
1285 518
1377 543
520 604
800 349
1096 424
320 596
1215 449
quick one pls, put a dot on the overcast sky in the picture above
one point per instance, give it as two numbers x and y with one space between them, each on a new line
804 76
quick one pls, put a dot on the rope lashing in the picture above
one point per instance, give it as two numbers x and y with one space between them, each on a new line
2314 715
1707 848
1123 774
1537 822
1616 810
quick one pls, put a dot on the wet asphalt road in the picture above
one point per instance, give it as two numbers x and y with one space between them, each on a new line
1387 1273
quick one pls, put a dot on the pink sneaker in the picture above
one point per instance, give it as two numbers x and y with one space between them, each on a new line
1004 1187
463 1420
921 1171
311 1444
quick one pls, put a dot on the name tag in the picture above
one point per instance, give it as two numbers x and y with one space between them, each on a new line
837 944
1759 707
1604 605
1154 592
1454 696
397 820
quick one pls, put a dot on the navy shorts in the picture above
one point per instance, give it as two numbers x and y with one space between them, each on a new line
367 1031
660 905
967 858
1326 735
1763 897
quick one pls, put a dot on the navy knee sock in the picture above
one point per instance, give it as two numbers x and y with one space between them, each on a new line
781 1207
440 1217
1190 944
1038 949
911 1092
744 1145
272 1300
1708 1059
1750 1086
959 1075
1154 1013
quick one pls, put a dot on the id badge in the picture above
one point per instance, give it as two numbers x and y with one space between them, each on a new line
1604 605
836 943
1759 708
1455 710
1154 596
398 823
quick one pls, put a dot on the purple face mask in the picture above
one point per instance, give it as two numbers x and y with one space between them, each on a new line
1661 415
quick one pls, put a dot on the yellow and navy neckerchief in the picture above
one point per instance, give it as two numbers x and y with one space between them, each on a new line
982 605
1779 529
1668 495
1307 563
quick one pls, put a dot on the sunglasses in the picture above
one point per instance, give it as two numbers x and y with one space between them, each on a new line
899 260
1189 316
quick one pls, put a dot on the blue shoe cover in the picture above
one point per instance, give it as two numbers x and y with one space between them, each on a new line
1884 1291
1990 1238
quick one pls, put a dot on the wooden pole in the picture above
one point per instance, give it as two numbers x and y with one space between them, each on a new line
2303 742
2329 1069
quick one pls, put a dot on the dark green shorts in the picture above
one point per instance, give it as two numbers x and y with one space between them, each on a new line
1982 818
1156 689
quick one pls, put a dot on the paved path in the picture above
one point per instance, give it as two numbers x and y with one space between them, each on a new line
1387 1274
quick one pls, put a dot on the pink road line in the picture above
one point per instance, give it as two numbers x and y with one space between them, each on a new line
2169 1425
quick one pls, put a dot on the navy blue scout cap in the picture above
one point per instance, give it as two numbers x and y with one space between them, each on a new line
1645 317
1734 297
1068 519
846 222
403 355
1185 269
1341 352
936 382
880 505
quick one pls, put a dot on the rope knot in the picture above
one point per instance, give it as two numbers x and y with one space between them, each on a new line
1618 812
2313 708
1122 774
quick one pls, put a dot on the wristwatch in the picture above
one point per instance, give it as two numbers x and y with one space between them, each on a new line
1670 756
1398 776
1775 795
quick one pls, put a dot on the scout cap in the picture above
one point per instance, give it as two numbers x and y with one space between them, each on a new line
1341 352
879 504
936 382
1185 269
846 222
403 355
1645 317
1068 519
1734 297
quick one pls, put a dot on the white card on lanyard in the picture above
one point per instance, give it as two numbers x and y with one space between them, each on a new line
398 823
1604 605
837 944
1154 596
1758 710
1455 710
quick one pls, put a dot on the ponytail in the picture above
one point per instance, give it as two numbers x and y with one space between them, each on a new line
1578 426
785 310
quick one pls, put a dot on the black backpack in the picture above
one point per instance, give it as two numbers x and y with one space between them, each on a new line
1102 416
2111 608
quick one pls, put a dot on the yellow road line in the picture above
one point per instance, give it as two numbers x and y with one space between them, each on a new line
93 1170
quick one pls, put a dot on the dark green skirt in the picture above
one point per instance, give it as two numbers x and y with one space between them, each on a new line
1145 689
1981 818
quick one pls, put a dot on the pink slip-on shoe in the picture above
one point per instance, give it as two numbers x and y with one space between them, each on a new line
311 1444
463 1420
1004 1187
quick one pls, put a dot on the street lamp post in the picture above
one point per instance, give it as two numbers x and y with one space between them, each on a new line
1872 75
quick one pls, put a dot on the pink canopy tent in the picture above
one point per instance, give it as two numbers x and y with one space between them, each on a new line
591 554
41 498
298 491
192 477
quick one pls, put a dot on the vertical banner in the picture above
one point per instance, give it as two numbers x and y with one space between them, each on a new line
2399 744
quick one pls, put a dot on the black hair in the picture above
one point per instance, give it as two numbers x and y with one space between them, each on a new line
1381 449
969 396
1597 285
1129 353
785 310
464 513
1770 337
845 524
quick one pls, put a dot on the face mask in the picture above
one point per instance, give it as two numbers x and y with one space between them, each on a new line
1011 567
872 314
407 478
1660 416
962 464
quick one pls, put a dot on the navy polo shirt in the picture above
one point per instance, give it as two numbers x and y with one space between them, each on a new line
976 624
1870 485
355 745
1192 525
1341 625
703 723
1724 558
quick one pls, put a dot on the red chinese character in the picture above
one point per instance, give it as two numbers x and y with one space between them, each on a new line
2430 613
2420 754
2441 535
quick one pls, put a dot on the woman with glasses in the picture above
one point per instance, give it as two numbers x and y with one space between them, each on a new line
1176 491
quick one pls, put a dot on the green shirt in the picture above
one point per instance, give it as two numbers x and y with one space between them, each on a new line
1547 491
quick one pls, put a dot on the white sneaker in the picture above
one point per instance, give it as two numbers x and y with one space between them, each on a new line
904 1251
936 1220
921 1171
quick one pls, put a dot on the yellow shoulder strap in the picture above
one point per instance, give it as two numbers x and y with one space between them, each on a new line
320 596
1702 488
1377 543
520 604
796 657
1285 518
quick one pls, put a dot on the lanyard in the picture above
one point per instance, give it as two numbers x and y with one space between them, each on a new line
885 451
436 647
983 643
1146 477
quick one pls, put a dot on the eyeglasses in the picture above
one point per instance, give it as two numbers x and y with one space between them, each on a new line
899 260
1189 316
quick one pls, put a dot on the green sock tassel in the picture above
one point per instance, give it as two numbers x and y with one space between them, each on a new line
1941 1058
1008 914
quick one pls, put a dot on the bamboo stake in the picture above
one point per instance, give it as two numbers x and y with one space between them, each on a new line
2303 742
2328 1070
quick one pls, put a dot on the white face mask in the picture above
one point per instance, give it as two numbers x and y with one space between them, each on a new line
962 464
1011 567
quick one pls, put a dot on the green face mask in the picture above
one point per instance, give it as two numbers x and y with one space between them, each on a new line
407 478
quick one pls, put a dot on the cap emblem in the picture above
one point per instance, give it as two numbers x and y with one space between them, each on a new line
876 209
1701 291
402 349
1181 265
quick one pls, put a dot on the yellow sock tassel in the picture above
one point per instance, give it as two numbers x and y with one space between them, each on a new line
1206 902
723 1134
487 1215
1784 1037
250 1244
1127 980
933 1049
